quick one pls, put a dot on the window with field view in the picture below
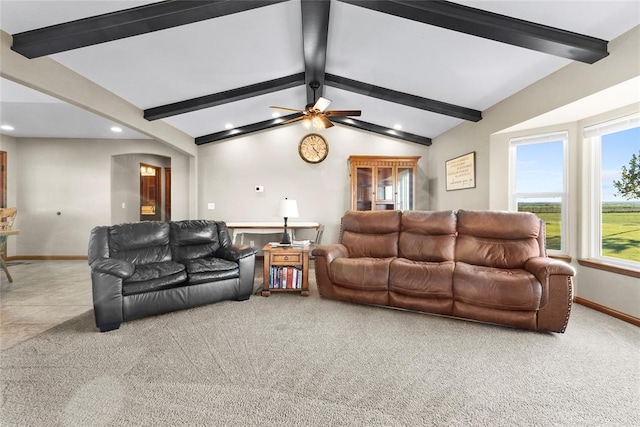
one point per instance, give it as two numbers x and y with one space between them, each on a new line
616 212
538 167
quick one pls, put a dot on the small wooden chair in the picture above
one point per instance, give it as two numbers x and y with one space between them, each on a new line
7 217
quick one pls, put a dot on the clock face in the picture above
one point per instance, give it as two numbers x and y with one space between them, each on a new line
313 148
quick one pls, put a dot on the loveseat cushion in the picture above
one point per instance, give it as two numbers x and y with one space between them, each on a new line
503 289
154 277
140 242
367 274
191 239
210 269
421 279
427 236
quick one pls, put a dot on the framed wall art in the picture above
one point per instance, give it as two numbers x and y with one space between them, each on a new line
461 172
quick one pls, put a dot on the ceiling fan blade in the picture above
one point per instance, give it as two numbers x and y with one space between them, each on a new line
286 109
334 113
326 122
321 104
294 120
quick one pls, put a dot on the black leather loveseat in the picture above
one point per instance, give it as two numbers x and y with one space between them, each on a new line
147 268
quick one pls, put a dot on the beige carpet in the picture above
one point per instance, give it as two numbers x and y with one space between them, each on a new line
287 360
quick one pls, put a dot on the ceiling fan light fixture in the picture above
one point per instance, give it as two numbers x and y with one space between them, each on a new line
317 122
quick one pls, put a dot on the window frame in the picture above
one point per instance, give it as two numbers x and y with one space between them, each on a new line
514 195
592 138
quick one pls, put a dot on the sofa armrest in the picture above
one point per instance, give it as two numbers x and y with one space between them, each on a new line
331 252
117 267
543 268
235 252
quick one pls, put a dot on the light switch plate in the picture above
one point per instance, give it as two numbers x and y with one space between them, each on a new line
211 206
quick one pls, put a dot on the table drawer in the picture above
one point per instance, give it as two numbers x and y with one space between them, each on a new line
286 258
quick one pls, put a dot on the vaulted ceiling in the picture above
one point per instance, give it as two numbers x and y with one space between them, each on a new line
414 68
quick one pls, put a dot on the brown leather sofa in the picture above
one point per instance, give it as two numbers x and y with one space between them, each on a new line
487 266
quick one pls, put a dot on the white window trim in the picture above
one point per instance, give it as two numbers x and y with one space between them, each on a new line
592 139
563 195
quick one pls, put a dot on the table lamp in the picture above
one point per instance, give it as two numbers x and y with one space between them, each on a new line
287 209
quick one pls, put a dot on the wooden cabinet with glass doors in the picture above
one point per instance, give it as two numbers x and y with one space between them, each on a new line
383 183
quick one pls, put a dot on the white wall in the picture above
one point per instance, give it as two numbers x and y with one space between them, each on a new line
73 177
229 171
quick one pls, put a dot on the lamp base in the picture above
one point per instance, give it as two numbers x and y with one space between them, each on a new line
285 238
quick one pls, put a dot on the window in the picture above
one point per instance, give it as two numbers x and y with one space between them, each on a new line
539 182
615 213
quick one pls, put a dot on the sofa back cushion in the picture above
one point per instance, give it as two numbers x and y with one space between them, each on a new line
428 236
498 239
370 233
193 239
140 242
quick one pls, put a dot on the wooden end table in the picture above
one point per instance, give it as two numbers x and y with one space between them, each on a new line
285 269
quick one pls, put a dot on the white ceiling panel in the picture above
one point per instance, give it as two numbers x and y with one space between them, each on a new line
240 113
430 62
17 16
197 59
389 114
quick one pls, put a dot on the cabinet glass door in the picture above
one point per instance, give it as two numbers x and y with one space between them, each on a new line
404 189
385 197
364 188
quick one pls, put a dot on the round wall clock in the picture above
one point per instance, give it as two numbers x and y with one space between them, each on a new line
313 148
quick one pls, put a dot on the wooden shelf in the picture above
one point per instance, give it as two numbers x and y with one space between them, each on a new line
292 259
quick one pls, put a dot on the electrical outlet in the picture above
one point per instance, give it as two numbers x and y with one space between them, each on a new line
252 243
211 206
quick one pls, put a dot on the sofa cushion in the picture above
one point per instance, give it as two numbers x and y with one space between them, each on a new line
427 236
154 277
421 279
361 273
140 242
504 289
497 239
371 233
210 269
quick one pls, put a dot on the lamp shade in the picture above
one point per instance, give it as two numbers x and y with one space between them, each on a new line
288 209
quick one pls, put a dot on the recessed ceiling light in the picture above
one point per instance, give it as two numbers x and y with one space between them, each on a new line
6 127
228 126
397 126
275 114
116 129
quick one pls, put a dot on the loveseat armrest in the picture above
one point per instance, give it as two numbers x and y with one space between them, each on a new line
331 252
235 252
117 267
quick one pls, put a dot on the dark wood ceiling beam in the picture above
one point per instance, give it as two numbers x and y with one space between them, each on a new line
224 97
243 130
126 23
493 26
403 98
381 130
315 30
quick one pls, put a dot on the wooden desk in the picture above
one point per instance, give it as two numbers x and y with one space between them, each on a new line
266 227
3 240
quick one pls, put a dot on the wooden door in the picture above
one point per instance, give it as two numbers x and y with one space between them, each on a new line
167 194
150 192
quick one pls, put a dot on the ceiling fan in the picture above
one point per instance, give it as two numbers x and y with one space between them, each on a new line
317 114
